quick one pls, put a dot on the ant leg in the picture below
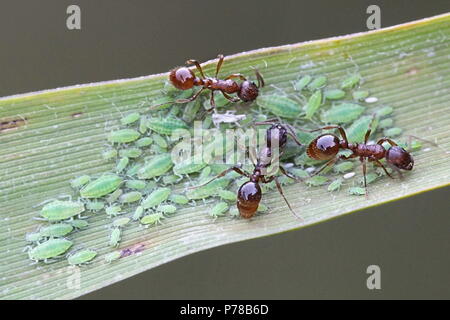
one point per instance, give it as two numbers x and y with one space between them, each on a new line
211 102
280 190
289 175
363 161
341 131
291 132
219 64
369 130
383 140
189 99
236 75
261 82
197 65
328 164
223 173
384 168
230 98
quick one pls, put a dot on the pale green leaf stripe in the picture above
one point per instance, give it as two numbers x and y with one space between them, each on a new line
406 67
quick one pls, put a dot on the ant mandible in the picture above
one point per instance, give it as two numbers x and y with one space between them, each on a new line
184 78
327 146
249 194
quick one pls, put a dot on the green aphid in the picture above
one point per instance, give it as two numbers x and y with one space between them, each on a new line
305 137
130 153
156 149
351 81
415 145
170 179
205 173
208 190
302 83
81 257
342 113
113 211
130 118
162 103
178 199
167 208
56 230
153 218
300 173
344 166
184 94
80 181
345 153
144 142
219 209
49 249
79 223
160 141
370 177
385 111
110 154
227 195
166 126
115 237
386 123
191 110
113 256
95 205
357 191
303 160
313 105
33 237
135 184
316 181
122 164
189 166
124 136
234 211
130 197
393 132
138 212
262 208
360 95
133 170
358 129
58 210
335 185
280 106
101 187
156 197
317 83
334 94
157 166
143 124
114 196
120 222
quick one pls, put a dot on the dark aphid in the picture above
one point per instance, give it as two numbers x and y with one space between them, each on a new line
249 194
326 147
184 78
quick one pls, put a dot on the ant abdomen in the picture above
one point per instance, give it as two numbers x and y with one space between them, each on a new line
248 91
249 195
324 147
182 78
400 158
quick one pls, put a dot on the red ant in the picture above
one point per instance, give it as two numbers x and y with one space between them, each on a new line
249 194
184 78
327 146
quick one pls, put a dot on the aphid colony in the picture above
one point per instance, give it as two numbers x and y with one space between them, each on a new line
146 186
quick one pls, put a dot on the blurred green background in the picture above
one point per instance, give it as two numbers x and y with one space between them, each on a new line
408 239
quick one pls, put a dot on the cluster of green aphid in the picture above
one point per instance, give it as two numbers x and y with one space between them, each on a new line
144 186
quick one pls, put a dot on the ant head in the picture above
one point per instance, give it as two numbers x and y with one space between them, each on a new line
324 147
400 158
182 78
277 132
248 91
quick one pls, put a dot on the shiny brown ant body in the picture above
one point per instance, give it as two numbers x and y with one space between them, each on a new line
327 146
249 194
184 78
